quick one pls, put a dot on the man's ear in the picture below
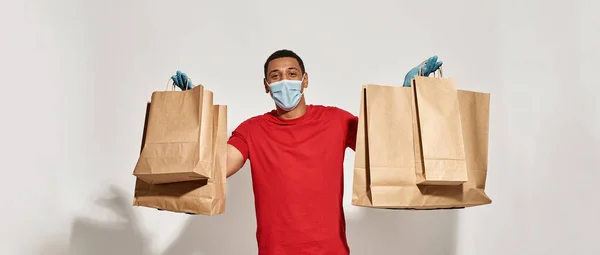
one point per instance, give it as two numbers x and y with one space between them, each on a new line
305 81
266 85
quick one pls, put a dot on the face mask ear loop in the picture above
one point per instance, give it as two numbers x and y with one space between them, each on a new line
301 86
302 81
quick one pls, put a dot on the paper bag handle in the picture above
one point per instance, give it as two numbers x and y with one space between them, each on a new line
420 73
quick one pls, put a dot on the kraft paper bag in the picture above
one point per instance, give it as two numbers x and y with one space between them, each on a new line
388 152
179 137
440 133
206 197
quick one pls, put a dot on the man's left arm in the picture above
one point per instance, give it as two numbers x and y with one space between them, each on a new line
351 131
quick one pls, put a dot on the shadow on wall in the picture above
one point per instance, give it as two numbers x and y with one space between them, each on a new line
233 232
377 231
229 233
90 237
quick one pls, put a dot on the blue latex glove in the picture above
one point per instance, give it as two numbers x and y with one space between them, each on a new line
182 81
431 65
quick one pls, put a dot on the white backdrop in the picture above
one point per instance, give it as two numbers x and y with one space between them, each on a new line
77 75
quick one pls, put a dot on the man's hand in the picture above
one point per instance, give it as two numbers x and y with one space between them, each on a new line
182 81
431 65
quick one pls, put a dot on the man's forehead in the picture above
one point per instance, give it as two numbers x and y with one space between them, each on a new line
284 63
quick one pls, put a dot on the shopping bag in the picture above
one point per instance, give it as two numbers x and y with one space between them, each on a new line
388 156
439 131
207 196
178 140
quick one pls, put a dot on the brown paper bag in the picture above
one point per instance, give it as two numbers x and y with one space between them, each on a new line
388 152
440 133
178 140
206 196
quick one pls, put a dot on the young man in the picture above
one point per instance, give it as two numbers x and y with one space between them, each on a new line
296 155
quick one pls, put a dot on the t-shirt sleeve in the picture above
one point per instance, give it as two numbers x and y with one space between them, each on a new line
239 139
350 122
352 132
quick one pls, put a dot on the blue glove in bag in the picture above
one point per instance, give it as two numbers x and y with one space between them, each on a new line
182 81
431 65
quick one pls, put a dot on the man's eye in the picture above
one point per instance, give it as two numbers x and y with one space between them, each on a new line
293 74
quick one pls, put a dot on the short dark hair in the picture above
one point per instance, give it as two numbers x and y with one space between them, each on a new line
284 54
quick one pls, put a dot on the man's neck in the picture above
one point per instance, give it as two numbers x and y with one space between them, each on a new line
297 112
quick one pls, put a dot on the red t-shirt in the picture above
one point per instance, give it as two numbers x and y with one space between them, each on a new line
297 177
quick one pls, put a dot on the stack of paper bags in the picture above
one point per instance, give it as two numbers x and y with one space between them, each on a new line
182 164
421 147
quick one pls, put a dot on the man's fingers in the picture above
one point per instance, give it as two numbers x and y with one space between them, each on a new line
431 64
179 81
438 65
174 78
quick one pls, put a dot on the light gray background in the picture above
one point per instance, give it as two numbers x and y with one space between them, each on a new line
76 75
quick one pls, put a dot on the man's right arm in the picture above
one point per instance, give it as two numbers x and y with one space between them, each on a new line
237 148
235 160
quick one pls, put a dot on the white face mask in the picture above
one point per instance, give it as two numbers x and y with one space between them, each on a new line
286 93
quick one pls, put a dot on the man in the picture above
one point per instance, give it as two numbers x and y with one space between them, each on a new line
296 155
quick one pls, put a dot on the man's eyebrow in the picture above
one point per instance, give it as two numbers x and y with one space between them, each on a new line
289 68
